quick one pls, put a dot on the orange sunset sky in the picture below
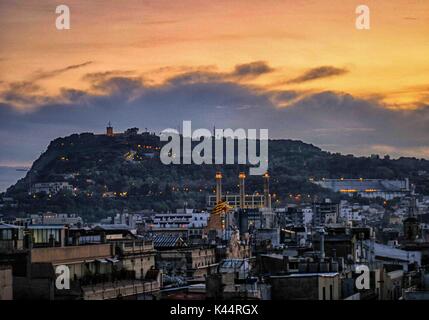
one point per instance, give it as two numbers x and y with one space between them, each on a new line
154 41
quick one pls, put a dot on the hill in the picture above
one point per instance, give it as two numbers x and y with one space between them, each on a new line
109 174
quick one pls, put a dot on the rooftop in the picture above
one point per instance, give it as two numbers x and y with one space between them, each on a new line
112 227
303 275
167 241
8 226
45 226
364 185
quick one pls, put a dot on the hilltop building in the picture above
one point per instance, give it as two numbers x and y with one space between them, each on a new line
241 200
368 188
109 130
51 187
255 222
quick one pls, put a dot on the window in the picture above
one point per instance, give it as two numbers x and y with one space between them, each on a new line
331 292
324 294
6 235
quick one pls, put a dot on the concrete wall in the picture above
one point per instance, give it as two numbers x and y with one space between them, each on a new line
286 288
139 264
342 248
331 287
202 257
6 283
189 262
305 288
120 289
58 255
34 289
392 285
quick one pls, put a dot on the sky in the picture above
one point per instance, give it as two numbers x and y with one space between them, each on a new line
299 68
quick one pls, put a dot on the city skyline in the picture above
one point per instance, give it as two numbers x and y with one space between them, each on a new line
205 157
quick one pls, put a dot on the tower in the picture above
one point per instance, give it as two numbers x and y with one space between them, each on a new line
322 243
411 223
267 196
218 187
109 130
242 177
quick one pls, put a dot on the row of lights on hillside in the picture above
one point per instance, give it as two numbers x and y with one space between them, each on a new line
342 179
148 147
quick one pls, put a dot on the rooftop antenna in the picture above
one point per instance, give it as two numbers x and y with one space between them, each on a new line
109 130
322 243
267 196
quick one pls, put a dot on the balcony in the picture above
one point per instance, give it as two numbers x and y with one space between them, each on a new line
119 289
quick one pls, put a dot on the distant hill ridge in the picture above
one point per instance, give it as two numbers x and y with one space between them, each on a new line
113 173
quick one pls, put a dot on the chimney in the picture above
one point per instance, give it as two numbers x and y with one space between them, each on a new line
242 177
51 240
103 238
28 240
267 196
322 244
218 187
76 239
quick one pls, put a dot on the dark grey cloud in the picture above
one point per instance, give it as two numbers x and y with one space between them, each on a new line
28 92
198 77
101 76
119 85
252 69
283 98
241 72
21 92
338 120
319 73
40 75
